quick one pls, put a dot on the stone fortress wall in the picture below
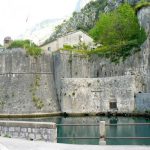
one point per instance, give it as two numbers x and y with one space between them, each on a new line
97 94
26 83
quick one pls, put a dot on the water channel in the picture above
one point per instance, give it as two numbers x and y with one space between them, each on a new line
93 131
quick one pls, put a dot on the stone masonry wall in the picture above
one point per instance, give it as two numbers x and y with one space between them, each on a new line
142 102
29 130
27 84
94 95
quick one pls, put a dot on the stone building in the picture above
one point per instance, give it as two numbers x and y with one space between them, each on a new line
72 38
7 41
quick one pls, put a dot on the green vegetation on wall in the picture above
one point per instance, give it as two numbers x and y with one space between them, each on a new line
31 48
2 103
34 86
141 4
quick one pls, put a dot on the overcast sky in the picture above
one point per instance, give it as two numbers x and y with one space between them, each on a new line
18 15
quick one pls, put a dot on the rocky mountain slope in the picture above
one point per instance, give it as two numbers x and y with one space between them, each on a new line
86 18
81 4
41 31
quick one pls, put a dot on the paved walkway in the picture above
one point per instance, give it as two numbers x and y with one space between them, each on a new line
18 144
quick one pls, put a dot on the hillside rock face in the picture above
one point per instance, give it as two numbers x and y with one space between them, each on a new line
112 4
87 17
81 4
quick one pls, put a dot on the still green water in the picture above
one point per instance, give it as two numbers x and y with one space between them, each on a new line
113 131
93 131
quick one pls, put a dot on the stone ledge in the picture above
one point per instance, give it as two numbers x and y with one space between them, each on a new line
28 124
32 115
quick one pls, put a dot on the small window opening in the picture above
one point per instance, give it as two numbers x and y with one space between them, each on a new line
49 48
113 105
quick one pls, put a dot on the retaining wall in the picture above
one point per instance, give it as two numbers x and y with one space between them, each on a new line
29 130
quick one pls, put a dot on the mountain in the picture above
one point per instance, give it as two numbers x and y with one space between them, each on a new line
84 20
41 31
81 4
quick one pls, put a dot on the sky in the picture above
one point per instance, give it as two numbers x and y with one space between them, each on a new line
16 16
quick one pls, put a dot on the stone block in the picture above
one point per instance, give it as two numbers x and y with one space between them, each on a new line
22 135
17 129
48 131
31 136
38 137
23 129
35 130
29 130
15 134
45 136
11 129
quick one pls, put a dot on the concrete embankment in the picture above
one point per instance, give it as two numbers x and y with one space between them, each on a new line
17 144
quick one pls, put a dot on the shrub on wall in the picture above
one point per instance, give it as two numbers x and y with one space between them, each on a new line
31 48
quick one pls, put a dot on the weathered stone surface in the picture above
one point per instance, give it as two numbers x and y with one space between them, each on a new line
21 90
31 136
142 102
23 129
94 95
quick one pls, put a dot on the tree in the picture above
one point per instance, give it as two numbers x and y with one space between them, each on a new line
118 26
31 48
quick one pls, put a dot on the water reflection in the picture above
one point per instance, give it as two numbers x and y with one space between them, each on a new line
93 131
111 131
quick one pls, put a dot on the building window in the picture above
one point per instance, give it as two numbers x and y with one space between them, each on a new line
49 48
113 105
